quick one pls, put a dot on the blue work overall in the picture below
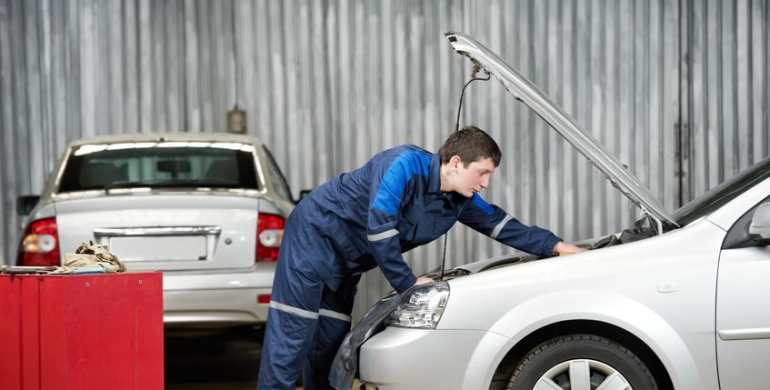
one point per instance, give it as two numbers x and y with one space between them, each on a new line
349 225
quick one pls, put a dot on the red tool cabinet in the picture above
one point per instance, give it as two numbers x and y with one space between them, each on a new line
67 332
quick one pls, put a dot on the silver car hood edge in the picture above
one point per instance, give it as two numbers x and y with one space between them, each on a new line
526 92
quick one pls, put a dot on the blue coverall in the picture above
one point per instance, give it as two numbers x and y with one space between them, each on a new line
349 225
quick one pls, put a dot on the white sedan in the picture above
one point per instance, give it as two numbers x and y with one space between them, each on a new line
207 209
682 304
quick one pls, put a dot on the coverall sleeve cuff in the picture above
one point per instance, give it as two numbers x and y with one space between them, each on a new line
406 284
549 245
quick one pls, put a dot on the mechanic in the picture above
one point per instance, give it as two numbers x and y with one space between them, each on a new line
403 197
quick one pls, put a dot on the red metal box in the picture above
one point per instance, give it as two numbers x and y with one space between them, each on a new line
67 332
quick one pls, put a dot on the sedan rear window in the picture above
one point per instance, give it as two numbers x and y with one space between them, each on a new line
160 165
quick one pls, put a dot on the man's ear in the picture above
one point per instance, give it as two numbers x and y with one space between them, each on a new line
455 162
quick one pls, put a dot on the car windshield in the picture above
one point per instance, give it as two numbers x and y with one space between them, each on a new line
160 165
723 193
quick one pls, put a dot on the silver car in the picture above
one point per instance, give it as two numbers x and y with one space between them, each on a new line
681 303
206 209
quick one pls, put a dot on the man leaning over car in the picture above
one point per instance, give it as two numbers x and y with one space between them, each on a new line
402 198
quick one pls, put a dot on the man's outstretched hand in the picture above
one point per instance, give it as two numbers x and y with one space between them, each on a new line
565 248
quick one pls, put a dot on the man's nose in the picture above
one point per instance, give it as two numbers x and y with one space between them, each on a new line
485 182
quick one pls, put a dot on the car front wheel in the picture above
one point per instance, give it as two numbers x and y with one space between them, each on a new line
581 362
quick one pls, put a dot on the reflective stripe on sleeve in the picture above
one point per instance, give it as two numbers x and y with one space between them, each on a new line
334 314
383 235
500 226
294 310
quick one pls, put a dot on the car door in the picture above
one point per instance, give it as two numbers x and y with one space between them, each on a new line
743 311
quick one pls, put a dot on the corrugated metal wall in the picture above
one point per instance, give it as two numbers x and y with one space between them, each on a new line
676 89
726 99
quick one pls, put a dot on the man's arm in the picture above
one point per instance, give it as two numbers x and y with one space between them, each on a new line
385 201
492 221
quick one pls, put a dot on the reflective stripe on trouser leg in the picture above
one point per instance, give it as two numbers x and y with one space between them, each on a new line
293 310
334 314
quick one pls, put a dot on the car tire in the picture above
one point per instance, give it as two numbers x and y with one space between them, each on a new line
587 360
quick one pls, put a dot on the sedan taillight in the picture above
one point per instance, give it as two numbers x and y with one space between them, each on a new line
269 234
40 244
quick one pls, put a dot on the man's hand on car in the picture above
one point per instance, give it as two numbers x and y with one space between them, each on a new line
565 248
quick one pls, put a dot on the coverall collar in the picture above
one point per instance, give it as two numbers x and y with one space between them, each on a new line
434 184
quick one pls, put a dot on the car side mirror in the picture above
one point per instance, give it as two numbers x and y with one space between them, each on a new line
303 194
760 222
25 204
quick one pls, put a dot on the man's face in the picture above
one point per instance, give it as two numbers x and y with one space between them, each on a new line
474 178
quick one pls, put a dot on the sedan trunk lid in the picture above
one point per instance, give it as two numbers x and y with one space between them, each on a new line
164 231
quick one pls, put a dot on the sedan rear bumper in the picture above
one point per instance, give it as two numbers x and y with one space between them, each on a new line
215 299
437 359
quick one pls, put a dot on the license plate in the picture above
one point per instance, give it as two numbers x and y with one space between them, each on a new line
169 248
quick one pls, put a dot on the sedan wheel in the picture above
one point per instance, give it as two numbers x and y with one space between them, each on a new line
581 362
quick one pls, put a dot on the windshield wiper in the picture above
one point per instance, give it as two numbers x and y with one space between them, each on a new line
125 184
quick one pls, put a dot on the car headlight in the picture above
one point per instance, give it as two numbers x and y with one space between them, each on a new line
421 307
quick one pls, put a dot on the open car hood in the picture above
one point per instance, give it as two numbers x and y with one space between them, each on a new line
526 92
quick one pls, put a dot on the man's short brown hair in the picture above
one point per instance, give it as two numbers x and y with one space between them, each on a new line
471 144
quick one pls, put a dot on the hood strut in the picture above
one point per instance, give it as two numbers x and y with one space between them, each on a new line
476 68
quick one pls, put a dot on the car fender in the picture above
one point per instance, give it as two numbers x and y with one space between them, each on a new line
601 306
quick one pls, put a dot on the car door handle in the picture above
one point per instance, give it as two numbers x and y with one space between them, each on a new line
745 334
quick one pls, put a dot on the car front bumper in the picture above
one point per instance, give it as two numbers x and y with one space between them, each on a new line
405 359
221 299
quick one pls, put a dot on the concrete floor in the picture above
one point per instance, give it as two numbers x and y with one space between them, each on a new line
195 365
